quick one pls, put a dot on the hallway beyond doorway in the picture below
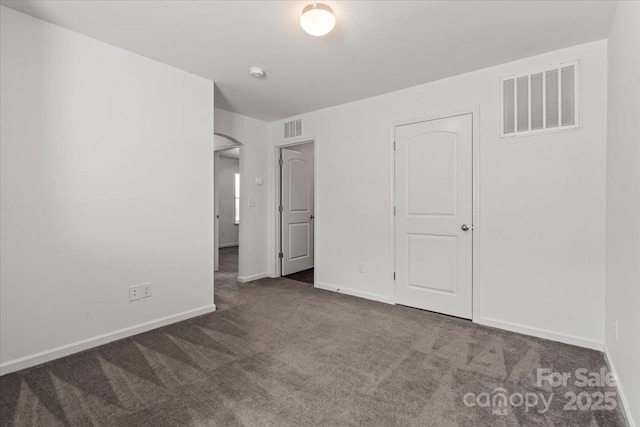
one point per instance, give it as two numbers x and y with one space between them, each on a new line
305 276
228 265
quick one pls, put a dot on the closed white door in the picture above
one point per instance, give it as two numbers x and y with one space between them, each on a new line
434 212
297 211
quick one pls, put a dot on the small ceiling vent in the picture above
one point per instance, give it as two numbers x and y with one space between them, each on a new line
293 129
546 101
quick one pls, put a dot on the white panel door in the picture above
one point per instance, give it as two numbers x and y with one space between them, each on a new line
434 212
297 212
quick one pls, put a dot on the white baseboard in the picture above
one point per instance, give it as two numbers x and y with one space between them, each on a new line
623 399
227 245
540 333
245 279
354 292
65 350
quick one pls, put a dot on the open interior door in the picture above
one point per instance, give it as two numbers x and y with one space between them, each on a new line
296 209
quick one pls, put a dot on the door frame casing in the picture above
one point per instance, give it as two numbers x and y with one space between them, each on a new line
277 183
475 148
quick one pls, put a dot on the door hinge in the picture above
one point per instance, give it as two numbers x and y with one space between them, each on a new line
281 162
280 208
394 275
280 255
394 146
394 211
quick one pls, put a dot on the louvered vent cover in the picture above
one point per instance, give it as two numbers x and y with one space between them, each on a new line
546 101
293 128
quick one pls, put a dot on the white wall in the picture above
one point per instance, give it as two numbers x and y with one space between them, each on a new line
542 212
623 203
225 174
107 182
252 134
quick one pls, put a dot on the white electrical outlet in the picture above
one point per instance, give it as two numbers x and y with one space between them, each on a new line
134 293
145 290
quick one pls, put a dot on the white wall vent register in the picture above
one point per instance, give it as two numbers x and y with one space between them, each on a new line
545 101
293 128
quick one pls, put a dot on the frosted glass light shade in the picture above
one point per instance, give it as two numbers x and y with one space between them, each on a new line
317 19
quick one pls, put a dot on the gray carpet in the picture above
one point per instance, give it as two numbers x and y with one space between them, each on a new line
281 353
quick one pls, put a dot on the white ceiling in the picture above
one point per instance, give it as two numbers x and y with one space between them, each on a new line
224 142
233 153
376 47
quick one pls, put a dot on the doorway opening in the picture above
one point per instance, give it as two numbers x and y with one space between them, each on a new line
227 213
296 219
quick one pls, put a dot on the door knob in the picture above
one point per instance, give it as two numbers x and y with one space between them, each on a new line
465 227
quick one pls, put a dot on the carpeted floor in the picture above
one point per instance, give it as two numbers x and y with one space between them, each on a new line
281 353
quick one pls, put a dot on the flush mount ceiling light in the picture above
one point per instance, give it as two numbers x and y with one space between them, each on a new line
317 19
257 72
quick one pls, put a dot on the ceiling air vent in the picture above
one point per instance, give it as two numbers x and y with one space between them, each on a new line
293 128
546 101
